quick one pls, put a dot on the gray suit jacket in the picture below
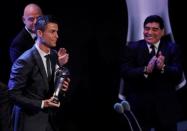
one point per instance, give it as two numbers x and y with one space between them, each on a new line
28 86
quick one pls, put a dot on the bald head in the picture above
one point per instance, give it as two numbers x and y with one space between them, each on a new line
30 15
32 8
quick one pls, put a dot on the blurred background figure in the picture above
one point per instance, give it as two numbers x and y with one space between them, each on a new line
151 69
25 39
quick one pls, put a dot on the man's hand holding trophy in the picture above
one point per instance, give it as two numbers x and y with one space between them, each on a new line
61 81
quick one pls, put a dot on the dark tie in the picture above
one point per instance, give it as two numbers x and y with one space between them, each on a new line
50 74
152 53
48 64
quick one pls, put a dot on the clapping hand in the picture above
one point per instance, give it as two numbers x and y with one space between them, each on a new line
63 56
160 61
151 65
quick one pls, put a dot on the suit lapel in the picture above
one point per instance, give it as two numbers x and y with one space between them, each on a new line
28 39
40 64
145 52
161 47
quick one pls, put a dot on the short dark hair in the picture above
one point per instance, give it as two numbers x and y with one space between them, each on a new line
154 18
42 21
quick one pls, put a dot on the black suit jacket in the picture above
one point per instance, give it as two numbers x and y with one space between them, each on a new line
158 89
5 109
28 86
22 42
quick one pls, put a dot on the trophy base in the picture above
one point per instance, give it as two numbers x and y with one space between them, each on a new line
55 100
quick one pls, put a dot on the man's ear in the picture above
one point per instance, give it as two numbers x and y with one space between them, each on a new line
39 33
163 32
23 19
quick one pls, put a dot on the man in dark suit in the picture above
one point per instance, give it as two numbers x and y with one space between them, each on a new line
31 83
151 69
26 38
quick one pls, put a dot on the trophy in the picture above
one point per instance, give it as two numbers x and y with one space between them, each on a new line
61 75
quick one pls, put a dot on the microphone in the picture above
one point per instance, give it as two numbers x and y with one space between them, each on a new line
118 107
126 107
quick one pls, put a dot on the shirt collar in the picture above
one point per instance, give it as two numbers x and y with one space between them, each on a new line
33 35
155 44
41 52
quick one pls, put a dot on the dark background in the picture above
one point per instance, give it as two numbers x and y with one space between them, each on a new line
93 32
